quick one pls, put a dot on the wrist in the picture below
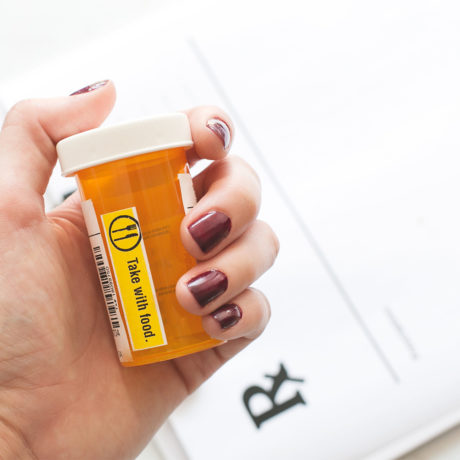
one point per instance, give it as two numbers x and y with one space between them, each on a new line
13 445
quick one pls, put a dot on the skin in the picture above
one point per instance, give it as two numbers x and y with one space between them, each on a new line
63 393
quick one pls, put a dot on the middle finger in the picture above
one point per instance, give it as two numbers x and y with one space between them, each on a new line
218 280
229 192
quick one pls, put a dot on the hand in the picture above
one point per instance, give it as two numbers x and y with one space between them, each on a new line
63 393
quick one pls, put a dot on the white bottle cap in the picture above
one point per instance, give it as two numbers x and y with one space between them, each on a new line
111 143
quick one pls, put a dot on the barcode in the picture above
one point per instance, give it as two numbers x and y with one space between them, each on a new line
107 287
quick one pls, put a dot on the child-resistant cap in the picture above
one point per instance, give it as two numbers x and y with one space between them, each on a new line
101 145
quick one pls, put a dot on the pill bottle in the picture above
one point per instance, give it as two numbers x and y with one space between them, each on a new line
136 188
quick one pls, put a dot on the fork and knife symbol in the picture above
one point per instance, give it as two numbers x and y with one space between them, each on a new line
128 228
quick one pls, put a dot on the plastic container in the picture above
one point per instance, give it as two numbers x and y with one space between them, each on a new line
136 188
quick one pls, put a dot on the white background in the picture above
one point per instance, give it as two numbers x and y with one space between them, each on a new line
32 32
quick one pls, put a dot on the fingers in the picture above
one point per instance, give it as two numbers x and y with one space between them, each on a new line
246 316
33 127
223 281
212 133
216 281
70 210
221 233
230 201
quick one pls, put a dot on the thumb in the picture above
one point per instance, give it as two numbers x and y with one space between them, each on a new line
33 127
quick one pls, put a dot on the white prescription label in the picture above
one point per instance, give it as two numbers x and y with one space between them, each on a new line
106 280
187 192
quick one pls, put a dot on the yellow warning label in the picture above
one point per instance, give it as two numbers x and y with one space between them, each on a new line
134 280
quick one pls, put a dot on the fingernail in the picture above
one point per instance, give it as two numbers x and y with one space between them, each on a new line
207 286
221 130
89 88
209 230
227 315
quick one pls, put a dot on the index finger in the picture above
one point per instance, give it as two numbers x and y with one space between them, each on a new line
212 133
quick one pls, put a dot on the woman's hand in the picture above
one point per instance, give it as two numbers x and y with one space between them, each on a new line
63 392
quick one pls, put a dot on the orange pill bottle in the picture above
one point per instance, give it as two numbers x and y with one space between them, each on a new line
136 188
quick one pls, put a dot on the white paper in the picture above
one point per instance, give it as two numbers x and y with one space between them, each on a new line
349 111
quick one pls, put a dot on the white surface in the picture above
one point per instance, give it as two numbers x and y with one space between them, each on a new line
34 32
374 145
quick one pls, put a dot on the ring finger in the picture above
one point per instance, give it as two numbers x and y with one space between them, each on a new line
216 281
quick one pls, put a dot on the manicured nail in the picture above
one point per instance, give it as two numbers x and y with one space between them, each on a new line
221 130
207 286
227 315
89 88
209 230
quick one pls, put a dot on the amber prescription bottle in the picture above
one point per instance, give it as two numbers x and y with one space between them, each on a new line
136 188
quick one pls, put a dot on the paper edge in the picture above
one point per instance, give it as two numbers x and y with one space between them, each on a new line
416 439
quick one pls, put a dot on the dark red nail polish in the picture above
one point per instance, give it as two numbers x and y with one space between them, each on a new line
209 230
221 130
207 286
89 88
227 315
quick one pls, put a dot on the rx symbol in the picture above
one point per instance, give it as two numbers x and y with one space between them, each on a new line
275 408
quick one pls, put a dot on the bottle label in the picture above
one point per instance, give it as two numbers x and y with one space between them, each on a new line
106 280
134 280
187 192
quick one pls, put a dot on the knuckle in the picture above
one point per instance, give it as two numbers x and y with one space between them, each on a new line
21 111
273 244
268 308
263 311
251 270
263 244
247 194
247 202
265 305
233 177
15 210
242 163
